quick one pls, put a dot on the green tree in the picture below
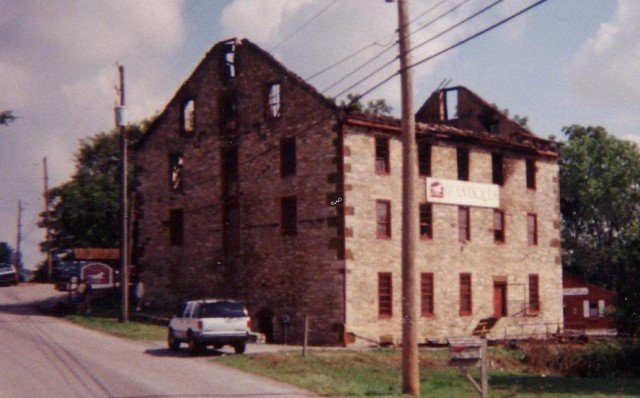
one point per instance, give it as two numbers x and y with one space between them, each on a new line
377 107
85 210
600 204
6 253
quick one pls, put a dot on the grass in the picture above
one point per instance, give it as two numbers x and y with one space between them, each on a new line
378 373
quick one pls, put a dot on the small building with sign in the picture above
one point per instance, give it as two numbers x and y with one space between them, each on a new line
587 308
252 185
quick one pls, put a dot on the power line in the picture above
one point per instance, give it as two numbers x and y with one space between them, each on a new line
304 25
461 42
427 11
467 19
444 14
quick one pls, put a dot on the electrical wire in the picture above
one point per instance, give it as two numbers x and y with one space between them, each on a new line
436 19
441 52
304 25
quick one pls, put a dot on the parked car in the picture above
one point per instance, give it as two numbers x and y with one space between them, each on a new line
210 322
7 275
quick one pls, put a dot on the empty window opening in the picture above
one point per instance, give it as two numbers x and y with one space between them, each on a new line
289 222
273 101
287 157
228 112
463 164
383 219
534 293
382 155
385 294
176 164
230 172
189 116
176 227
532 229
228 62
424 158
451 104
464 224
426 221
427 304
497 166
231 229
498 226
530 166
465 294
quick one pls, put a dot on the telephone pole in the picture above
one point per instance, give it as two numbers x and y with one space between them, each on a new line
16 256
124 214
410 364
47 219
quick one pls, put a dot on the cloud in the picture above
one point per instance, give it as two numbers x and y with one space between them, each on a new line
605 69
58 73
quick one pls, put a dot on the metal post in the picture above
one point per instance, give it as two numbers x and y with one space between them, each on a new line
124 214
306 336
484 367
47 221
410 365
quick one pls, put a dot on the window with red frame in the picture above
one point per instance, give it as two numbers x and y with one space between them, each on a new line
463 164
383 219
498 226
424 158
385 294
465 294
497 168
534 293
427 304
530 167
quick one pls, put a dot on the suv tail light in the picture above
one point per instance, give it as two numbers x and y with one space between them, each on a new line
200 324
249 324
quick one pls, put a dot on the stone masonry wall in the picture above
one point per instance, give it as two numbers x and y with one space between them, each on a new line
274 275
444 255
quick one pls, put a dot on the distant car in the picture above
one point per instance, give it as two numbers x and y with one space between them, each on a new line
210 322
7 275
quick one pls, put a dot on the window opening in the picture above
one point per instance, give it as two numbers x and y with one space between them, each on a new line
463 164
228 62
189 116
426 293
383 219
287 157
534 293
465 294
230 172
231 229
532 229
497 166
530 166
176 227
498 226
273 101
176 164
426 221
382 155
451 104
464 224
424 158
289 221
228 112
385 294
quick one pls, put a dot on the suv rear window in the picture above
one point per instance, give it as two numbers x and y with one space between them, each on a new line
221 309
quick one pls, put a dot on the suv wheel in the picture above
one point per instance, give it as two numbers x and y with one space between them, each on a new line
172 341
194 346
240 347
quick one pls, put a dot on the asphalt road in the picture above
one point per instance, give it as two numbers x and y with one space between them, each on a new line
42 356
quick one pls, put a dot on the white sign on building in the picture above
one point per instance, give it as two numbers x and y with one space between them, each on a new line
462 193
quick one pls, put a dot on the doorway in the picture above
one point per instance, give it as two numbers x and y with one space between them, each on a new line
499 299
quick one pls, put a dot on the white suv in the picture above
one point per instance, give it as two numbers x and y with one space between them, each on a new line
211 322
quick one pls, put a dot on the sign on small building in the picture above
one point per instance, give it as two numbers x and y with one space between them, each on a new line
462 193
99 275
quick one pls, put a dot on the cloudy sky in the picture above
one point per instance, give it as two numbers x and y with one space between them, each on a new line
563 62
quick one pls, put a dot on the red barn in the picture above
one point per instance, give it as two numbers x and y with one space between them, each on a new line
587 307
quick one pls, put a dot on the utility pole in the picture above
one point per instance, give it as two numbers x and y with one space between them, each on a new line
124 214
16 256
47 219
410 365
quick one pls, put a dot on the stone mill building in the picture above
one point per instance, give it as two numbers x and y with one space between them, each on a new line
254 186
